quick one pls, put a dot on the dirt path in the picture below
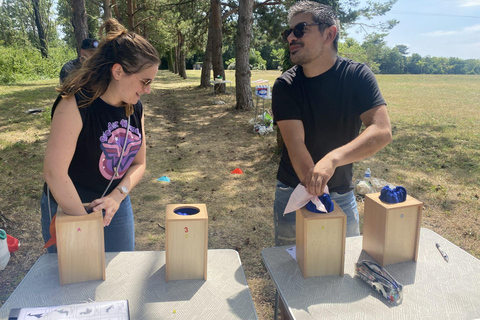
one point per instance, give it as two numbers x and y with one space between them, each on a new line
196 144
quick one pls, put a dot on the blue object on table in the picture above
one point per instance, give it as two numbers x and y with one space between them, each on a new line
395 195
327 202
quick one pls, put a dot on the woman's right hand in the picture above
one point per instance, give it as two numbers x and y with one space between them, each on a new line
108 204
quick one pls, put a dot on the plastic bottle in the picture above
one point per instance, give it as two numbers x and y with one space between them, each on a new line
4 252
368 174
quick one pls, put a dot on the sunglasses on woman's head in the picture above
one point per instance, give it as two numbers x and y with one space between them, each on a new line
298 30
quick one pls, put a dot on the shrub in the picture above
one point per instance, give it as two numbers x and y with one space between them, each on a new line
231 64
25 64
257 61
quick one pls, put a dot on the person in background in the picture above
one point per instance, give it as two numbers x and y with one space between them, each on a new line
86 51
319 106
96 150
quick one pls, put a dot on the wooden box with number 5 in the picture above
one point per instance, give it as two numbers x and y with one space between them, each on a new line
186 242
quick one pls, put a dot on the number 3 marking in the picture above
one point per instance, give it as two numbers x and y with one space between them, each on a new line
186 229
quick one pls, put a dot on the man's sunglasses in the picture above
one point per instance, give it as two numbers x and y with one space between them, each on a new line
298 30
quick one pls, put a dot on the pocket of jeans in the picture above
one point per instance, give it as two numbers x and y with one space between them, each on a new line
282 185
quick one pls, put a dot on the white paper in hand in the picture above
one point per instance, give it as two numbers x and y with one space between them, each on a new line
300 198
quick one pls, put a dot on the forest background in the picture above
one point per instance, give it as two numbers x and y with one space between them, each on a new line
38 36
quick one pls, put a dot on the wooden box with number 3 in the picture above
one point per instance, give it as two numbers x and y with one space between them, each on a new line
391 232
186 242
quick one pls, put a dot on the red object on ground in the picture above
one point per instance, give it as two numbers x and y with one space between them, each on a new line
12 243
237 171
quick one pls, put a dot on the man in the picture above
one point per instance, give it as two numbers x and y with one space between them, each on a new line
319 106
86 51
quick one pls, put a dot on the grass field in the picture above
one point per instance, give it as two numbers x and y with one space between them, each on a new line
435 155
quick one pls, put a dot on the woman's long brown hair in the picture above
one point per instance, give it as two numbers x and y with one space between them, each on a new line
128 49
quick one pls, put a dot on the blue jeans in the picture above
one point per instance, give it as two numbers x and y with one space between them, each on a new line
118 236
285 224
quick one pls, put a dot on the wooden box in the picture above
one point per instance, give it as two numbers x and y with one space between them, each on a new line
391 231
186 242
320 242
80 247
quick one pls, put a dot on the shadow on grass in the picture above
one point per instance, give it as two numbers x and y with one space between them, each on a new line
15 104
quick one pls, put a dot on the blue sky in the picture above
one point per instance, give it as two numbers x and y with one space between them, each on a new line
439 28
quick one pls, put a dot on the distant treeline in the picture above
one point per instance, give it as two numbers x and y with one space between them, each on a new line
373 52
26 63
385 60
416 64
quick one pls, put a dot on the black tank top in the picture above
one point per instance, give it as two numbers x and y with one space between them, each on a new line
100 144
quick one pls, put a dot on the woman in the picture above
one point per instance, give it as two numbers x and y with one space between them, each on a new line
88 159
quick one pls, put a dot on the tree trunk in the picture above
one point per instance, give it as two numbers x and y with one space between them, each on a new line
242 48
117 11
217 60
207 58
279 138
175 70
171 61
41 31
80 27
181 56
107 10
145 31
131 23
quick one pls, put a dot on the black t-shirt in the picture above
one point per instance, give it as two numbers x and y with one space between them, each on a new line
68 68
329 105
100 144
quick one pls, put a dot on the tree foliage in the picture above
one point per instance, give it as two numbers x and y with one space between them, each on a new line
19 63
179 29
20 25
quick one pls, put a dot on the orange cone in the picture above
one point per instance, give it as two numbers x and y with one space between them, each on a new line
53 234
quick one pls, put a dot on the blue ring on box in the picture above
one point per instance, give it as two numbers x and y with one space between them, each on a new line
186 211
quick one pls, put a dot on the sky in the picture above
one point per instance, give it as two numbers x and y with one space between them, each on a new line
439 28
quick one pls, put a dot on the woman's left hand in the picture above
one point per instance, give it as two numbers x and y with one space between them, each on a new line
107 203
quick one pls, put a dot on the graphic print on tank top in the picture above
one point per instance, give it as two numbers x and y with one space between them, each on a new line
112 142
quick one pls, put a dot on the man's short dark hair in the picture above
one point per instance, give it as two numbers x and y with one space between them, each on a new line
89 44
321 13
